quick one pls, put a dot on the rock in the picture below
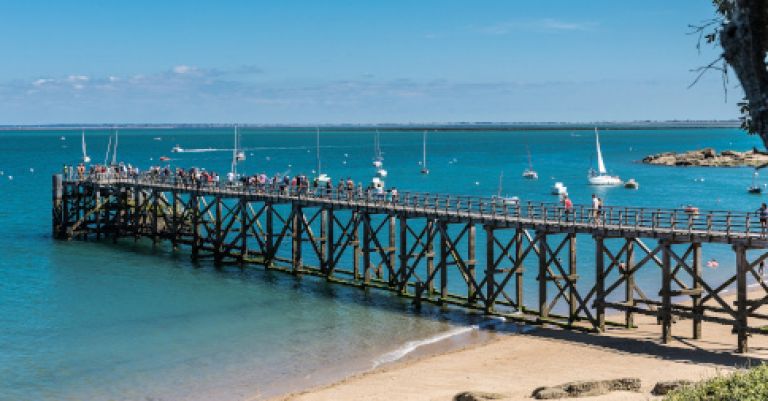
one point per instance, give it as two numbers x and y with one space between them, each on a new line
664 387
478 396
586 388
708 157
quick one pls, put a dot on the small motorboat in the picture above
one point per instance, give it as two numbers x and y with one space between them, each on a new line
631 184
164 158
177 149
559 189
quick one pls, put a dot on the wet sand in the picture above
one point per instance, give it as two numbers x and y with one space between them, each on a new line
515 363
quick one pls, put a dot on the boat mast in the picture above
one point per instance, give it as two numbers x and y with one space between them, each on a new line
424 151
317 149
114 150
530 162
234 155
85 153
109 146
501 176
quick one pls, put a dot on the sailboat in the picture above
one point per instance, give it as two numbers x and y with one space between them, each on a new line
601 176
239 154
754 189
86 158
322 178
530 173
109 147
378 159
505 200
114 150
424 169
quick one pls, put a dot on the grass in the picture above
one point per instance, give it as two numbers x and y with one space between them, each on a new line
749 385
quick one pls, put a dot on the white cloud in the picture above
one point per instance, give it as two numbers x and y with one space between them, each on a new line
537 25
183 69
42 81
77 78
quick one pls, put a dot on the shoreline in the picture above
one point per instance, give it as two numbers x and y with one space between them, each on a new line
506 363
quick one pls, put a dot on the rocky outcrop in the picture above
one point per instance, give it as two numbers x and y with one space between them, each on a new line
587 388
478 396
664 387
708 157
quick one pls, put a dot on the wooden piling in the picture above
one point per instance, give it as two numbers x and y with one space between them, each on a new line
490 268
543 276
666 293
629 284
742 269
698 311
599 283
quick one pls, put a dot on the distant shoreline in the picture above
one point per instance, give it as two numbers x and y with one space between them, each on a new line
456 126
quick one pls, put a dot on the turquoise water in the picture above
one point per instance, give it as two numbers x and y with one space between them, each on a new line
129 321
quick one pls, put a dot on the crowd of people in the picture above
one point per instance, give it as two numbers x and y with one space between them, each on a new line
201 178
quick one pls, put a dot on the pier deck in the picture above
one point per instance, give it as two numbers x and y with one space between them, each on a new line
414 244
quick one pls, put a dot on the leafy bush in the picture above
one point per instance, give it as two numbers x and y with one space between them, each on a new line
750 385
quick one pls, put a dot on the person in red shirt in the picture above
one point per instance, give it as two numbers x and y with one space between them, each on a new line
568 205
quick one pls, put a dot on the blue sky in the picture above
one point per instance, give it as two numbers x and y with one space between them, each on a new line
338 61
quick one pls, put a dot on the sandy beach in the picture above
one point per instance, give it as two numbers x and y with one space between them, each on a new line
513 364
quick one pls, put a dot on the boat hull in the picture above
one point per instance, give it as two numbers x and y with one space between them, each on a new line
604 180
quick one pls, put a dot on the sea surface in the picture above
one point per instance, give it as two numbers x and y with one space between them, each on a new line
97 321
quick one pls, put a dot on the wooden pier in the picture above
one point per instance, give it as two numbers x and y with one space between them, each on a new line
425 246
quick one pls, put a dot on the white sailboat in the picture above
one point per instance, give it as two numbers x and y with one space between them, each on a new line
378 160
109 148
424 169
505 200
239 153
114 150
754 188
530 173
377 157
601 176
322 178
86 158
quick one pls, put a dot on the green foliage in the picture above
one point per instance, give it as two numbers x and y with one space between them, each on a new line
751 385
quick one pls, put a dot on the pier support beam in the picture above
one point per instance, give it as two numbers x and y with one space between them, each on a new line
470 262
698 310
742 269
629 293
666 292
599 283
490 268
330 242
543 275
573 296
296 231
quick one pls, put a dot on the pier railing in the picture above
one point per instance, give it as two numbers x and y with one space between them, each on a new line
718 224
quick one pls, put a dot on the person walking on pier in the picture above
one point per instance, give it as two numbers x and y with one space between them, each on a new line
763 214
568 206
595 208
